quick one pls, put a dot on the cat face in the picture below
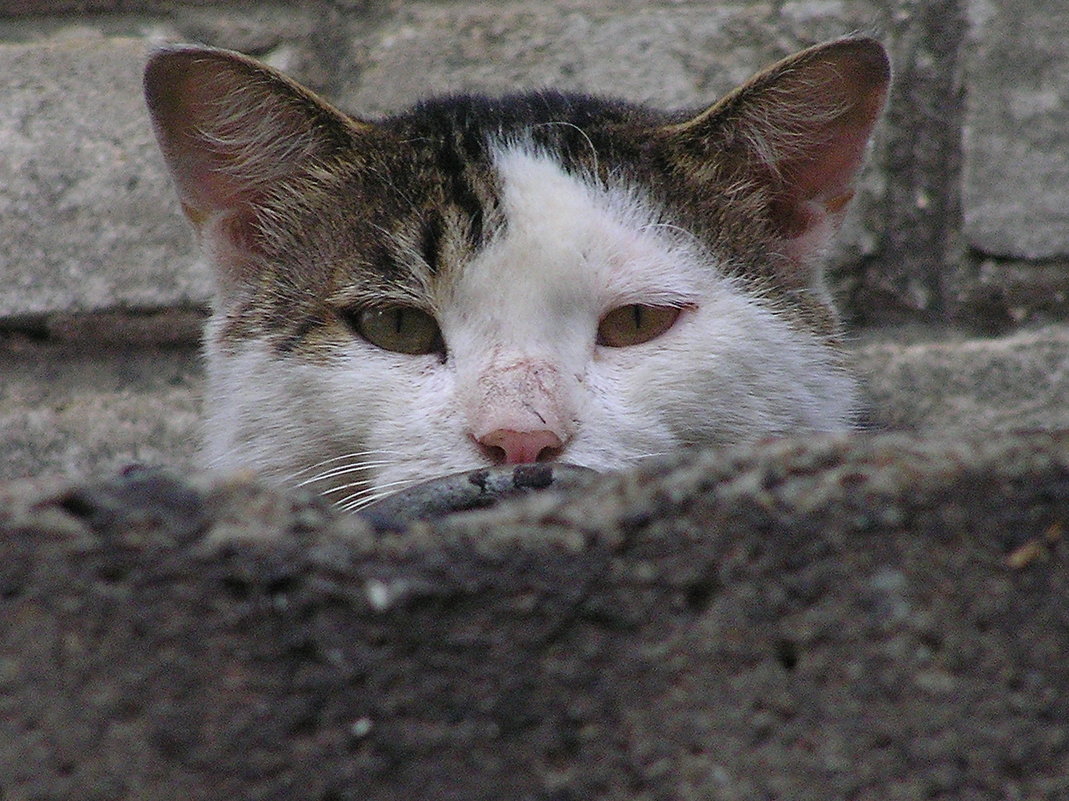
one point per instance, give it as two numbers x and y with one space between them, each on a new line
540 277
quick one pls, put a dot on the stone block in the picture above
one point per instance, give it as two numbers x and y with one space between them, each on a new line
666 54
958 387
66 409
1016 131
90 220
857 617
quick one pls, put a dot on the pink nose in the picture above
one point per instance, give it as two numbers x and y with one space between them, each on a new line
506 446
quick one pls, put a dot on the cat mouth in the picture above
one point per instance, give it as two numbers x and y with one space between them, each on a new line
471 490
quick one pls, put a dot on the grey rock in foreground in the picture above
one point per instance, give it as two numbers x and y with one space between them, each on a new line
864 617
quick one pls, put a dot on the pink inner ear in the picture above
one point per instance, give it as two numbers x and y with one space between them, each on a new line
207 191
812 183
817 185
188 94
826 176
230 240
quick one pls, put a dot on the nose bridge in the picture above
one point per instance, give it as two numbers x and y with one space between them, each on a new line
527 376
521 393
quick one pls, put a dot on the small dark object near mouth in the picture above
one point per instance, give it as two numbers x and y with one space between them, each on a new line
470 490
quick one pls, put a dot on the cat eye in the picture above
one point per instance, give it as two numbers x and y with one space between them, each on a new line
401 329
634 324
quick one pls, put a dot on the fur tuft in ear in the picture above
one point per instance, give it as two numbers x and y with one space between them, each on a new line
798 133
232 131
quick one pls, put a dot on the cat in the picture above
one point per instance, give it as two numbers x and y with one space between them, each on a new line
542 276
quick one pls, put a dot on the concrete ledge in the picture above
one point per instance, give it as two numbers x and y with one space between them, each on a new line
958 387
77 408
863 618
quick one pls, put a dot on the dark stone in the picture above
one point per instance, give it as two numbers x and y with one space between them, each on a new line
865 617
473 489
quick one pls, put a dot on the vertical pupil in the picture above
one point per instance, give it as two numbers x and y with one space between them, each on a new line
397 316
636 315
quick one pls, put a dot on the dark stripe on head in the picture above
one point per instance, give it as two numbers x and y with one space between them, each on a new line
430 240
458 188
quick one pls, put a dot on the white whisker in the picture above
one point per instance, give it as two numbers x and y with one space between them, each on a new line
360 502
369 495
690 235
367 485
651 455
363 484
590 144
343 470
352 455
402 483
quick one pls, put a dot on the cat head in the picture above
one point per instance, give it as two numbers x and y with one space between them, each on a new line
538 276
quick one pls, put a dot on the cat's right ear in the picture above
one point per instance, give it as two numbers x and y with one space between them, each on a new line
232 132
791 140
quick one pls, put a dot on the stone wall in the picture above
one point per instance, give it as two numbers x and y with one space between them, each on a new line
872 619
959 234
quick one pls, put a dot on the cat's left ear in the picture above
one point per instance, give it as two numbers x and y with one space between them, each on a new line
234 132
797 133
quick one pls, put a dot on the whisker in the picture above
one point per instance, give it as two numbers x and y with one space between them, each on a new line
369 495
343 502
354 456
361 502
589 142
366 485
400 484
343 470
350 455
363 484
690 235
652 454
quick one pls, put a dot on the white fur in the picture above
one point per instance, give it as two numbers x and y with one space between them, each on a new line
520 327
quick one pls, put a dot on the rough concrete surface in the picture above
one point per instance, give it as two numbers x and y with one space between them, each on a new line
1016 180
88 221
857 618
957 387
64 412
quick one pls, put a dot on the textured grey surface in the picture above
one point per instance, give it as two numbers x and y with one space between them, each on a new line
857 618
961 387
71 409
1016 169
89 220
671 55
